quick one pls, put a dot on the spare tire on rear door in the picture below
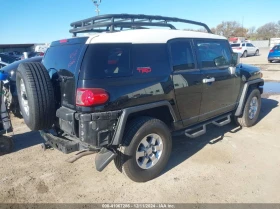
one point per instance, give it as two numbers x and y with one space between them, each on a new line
35 95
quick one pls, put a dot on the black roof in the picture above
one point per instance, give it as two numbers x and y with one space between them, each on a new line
118 22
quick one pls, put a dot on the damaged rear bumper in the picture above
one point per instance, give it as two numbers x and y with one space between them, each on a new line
102 159
80 132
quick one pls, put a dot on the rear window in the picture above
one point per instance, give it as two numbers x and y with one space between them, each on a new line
276 48
106 60
62 57
235 45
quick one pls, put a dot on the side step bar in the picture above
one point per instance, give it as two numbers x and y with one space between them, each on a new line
195 134
225 122
220 121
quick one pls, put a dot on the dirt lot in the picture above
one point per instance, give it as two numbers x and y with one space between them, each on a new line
226 165
271 71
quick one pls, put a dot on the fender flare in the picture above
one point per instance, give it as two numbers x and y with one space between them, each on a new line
117 137
242 99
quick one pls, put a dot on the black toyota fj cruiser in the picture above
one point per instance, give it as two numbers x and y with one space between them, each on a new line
122 91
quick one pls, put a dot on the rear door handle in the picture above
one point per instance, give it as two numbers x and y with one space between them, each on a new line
208 80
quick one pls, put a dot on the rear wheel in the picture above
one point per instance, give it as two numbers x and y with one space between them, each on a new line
245 54
270 61
146 149
35 96
257 53
251 110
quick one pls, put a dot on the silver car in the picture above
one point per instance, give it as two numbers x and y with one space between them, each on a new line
245 49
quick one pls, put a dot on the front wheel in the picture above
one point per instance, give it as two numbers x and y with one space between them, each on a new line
146 149
251 110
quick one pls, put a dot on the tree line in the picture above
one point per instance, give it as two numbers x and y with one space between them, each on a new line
235 29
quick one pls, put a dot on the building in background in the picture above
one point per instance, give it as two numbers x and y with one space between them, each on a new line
20 48
273 42
236 40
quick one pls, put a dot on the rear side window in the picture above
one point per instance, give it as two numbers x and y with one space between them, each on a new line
106 60
210 50
243 44
182 55
62 57
152 57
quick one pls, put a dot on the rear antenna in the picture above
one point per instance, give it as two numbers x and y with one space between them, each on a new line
96 4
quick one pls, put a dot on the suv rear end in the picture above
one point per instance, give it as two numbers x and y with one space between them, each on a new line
73 66
274 54
238 48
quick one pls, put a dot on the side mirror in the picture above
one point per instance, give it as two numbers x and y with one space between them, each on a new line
235 59
220 61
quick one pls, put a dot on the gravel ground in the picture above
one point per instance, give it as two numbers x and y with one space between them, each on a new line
227 164
271 71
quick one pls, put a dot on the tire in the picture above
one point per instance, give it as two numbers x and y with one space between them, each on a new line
270 61
35 96
257 53
245 54
246 119
138 130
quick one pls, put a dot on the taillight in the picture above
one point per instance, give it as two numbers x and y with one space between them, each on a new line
89 97
240 48
271 50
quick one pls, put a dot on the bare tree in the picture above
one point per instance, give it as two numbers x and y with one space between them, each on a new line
267 31
213 30
228 28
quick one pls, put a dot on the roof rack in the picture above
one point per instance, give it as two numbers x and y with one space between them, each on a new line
119 22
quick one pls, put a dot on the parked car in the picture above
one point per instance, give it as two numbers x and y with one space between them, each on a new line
245 49
33 54
274 54
124 93
10 92
3 64
6 58
14 54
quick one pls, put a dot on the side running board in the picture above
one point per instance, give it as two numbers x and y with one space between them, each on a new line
195 134
191 134
225 122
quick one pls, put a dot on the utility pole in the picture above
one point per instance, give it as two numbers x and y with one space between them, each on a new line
243 27
97 3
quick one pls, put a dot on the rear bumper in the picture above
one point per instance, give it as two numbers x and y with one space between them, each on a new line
62 144
78 131
273 58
